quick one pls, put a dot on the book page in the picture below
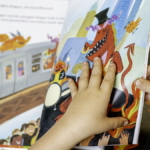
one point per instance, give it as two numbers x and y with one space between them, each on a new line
29 36
114 31
35 19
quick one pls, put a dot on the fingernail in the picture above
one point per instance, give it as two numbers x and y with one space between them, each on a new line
111 64
84 63
137 83
96 58
126 123
70 80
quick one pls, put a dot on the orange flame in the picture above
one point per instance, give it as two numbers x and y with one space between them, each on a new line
124 147
132 26
130 113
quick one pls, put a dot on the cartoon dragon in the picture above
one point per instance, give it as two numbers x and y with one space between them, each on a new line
136 92
130 112
104 41
11 44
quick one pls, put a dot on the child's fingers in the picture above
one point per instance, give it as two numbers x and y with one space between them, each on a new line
116 122
108 81
73 88
143 85
96 76
84 77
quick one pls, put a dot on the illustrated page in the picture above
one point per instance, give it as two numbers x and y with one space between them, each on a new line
29 36
114 30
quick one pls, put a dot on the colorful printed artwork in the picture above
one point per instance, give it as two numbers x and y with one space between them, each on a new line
17 41
48 60
49 56
25 136
58 78
8 72
112 31
26 91
23 79
20 69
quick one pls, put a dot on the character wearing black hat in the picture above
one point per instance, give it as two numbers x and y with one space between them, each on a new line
104 42
102 16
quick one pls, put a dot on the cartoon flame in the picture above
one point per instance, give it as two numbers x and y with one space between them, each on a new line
130 113
124 147
132 26
63 107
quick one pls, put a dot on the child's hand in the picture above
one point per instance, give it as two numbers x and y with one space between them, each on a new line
144 85
87 113
88 109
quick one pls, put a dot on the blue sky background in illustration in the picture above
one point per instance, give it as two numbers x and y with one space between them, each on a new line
132 6
75 44
132 10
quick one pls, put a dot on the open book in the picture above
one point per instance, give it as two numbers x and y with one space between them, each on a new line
115 30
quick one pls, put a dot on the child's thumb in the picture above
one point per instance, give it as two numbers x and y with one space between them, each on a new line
116 122
143 85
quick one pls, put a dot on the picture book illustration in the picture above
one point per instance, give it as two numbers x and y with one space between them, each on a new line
116 31
29 37
17 41
25 75
144 134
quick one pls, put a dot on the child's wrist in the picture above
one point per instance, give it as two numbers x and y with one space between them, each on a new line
78 130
